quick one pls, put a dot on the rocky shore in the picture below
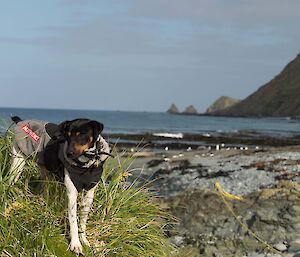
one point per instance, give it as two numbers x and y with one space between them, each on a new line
181 141
268 179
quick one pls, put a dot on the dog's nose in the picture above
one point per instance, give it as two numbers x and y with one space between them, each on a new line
70 154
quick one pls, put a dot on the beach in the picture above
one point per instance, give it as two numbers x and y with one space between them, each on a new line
261 185
232 184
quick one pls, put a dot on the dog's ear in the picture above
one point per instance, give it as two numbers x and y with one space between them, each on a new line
64 126
97 128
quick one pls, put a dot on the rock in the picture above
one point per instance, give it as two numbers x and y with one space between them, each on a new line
155 162
190 110
281 247
295 245
222 103
295 208
270 207
292 255
173 109
177 240
190 251
297 226
202 212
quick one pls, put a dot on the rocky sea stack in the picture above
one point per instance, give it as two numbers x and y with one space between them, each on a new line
173 109
190 110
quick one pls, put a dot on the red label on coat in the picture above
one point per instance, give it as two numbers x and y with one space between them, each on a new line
31 133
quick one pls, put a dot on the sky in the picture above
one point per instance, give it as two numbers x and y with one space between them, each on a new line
141 55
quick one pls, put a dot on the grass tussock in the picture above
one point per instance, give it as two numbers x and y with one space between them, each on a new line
125 220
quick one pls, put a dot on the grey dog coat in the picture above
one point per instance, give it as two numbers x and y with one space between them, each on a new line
31 138
43 141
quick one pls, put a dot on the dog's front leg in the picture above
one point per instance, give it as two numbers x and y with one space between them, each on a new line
18 163
86 206
72 194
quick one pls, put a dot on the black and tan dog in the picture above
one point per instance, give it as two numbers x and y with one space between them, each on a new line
75 151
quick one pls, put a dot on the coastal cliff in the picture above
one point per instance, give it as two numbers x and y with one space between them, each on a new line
279 97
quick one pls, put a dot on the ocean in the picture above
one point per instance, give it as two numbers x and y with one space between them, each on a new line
125 122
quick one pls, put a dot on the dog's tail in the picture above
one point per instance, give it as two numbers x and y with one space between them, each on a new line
16 119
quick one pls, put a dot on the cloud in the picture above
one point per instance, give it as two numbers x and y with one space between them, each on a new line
220 11
191 50
167 27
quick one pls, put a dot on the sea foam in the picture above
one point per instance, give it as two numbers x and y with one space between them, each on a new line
171 135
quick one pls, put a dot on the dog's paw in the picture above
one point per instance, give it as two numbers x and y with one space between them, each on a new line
84 240
75 246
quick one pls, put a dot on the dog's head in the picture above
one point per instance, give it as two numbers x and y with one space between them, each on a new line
80 134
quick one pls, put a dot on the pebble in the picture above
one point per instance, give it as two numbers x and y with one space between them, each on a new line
297 226
281 247
268 255
295 246
242 179
177 240
296 208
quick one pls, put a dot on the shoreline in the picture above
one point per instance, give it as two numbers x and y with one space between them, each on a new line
199 141
218 114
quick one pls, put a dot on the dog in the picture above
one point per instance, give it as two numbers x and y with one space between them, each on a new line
74 151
